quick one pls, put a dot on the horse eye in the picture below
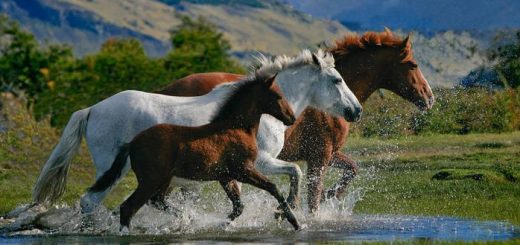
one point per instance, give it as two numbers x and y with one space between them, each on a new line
337 80
413 65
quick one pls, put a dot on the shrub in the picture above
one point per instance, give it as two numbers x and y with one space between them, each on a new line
24 65
507 57
456 111
198 47
120 65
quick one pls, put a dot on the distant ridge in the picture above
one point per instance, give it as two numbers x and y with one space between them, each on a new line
267 26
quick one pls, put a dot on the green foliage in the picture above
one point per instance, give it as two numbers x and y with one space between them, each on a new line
507 57
57 84
456 111
24 65
120 65
463 111
381 116
198 47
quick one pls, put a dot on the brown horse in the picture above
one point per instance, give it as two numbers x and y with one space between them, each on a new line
367 63
223 150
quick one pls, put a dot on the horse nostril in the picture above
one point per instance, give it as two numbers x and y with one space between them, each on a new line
360 112
431 101
353 115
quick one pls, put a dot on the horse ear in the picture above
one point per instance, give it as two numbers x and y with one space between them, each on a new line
388 31
316 60
406 44
270 81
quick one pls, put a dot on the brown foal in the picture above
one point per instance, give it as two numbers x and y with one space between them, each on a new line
223 150
367 63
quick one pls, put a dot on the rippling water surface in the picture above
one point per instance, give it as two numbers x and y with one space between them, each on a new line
204 220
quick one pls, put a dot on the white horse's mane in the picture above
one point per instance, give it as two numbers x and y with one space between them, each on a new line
268 67
265 67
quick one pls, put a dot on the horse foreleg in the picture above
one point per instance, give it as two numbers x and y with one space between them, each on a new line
233 192
255 178
350 170
316 168
271 166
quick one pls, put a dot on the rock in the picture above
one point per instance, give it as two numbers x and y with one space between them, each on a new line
55 218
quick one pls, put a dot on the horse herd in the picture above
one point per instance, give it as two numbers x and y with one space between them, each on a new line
233 128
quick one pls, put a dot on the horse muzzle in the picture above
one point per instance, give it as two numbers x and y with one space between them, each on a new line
289 121
353 115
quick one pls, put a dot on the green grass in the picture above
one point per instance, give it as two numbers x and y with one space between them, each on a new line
474 176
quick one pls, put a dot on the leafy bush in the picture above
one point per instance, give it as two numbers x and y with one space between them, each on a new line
198 47
120 65
384 116
507 57
456 111
24 65
57 84
463 111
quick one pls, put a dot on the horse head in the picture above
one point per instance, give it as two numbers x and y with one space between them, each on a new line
329 92
382 60
406 78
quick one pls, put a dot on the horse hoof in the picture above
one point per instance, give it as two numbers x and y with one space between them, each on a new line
293 202
279 215
297 227
124 230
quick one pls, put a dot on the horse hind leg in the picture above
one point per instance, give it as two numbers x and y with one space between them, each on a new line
158 201
131 205
91 200
255 178
233 192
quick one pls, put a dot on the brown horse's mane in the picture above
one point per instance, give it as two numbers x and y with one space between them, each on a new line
234 99
369 40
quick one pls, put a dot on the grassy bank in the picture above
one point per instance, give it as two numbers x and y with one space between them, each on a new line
475 176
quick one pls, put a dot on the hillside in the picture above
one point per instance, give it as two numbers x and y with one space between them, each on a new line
250 25
271 28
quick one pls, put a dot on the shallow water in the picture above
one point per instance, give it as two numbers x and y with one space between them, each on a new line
203 220
356 228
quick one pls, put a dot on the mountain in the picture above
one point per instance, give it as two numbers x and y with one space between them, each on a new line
269 26
420 15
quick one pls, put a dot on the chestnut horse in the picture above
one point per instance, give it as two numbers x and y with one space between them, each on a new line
367 63
223 150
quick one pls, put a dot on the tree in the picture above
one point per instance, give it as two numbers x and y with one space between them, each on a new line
198 47
507 57
121 64
24 66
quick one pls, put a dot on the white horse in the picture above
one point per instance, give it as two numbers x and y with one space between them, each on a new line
306 80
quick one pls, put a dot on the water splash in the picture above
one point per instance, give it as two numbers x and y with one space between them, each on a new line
204 218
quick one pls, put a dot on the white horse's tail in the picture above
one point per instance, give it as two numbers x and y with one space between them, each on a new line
53 177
